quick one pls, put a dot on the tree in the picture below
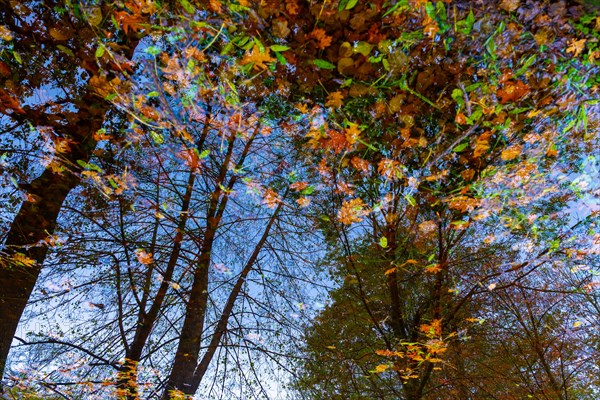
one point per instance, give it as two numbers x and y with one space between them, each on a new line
62 56
467 150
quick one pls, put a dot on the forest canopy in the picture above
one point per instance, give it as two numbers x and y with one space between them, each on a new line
391 199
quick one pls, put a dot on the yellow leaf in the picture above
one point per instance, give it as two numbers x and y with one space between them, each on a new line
352 133
577 324
381 368
433 268
576 46
22 259
335 100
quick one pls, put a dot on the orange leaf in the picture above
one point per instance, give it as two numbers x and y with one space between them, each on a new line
512 152
143 257
321 37
352 133
257 58
334 100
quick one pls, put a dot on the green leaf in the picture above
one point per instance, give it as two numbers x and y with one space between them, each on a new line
351 4
323 64
152 94
308 190
17 57
258 43
526 64
152 50
461 147
457 95
383 242
411 200
204 154
99 52
280 58
65 50
400 5
157 137
279 47
363 48
187 6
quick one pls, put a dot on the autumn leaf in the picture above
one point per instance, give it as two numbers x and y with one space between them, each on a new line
337 141
5 33
7 101
432 329
390 169
433 268
22 259
512 91
303 201
512 152
352 133
128 22
509 5
360 164
576 46
321 37
257 58
482 144
352 211
144 257
334 100
270 198
381 368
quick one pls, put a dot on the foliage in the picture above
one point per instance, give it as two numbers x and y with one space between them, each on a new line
437 157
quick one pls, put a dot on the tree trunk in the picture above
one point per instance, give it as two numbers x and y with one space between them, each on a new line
36 221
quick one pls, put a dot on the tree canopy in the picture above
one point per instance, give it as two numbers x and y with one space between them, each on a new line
299 199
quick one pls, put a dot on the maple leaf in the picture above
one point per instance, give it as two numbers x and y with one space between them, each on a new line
511 152
381 368
143 257
299 185
127 21
335 100
576 46
270 198
320 35
352 133
512 91
352 211
337 141
360 164
257 58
